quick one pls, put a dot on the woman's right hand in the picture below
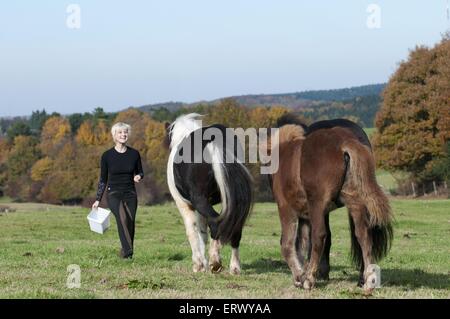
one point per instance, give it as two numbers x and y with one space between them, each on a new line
95 205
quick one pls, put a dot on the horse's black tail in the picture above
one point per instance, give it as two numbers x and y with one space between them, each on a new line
381 241
235 185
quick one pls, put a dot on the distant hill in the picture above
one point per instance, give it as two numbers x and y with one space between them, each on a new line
297 100
343 94
170 106
361 109
361 102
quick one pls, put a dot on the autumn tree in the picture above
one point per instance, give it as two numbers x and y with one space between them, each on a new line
414 121
4 150
4 153
275 112
85 134
259 117
55 133
24 153
102 133
41 169
87 170
60 184
157 156
53 175
229 113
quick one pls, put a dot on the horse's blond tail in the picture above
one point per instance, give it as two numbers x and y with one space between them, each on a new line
362 176
361 173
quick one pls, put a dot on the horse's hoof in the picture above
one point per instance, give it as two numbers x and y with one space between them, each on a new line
368 291
323 273
360 283
298 280
216 267
308 284
235 271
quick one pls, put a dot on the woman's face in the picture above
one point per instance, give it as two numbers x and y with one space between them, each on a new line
121 136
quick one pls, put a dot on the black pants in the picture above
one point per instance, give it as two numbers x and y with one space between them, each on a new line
123 205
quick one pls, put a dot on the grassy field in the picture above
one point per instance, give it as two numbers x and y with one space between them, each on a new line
386 180
38 242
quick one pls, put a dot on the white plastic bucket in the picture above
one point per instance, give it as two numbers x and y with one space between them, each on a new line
99 220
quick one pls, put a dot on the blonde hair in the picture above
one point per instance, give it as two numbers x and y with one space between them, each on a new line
118 126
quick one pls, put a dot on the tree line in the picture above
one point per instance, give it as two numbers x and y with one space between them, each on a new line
58 161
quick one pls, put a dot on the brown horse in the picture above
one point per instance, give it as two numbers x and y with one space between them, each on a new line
320 170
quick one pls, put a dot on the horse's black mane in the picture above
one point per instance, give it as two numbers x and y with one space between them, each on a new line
291 118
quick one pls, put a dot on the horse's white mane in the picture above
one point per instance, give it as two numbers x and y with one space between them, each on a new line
182 127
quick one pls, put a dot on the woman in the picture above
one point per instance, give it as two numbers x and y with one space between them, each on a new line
121 167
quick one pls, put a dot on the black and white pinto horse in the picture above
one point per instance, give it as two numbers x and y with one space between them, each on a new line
198 184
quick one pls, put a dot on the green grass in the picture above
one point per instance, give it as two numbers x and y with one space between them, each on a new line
5 199
386 180
33 265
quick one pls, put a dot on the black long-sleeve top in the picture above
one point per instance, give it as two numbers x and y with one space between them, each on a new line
118 170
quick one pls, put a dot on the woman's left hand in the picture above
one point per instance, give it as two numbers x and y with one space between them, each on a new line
137 178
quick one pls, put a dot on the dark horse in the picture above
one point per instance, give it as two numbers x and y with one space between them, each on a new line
323 167
200 175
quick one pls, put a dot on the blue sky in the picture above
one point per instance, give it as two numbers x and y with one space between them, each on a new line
141 52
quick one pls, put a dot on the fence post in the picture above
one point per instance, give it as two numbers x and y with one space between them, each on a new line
413 189
434 186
